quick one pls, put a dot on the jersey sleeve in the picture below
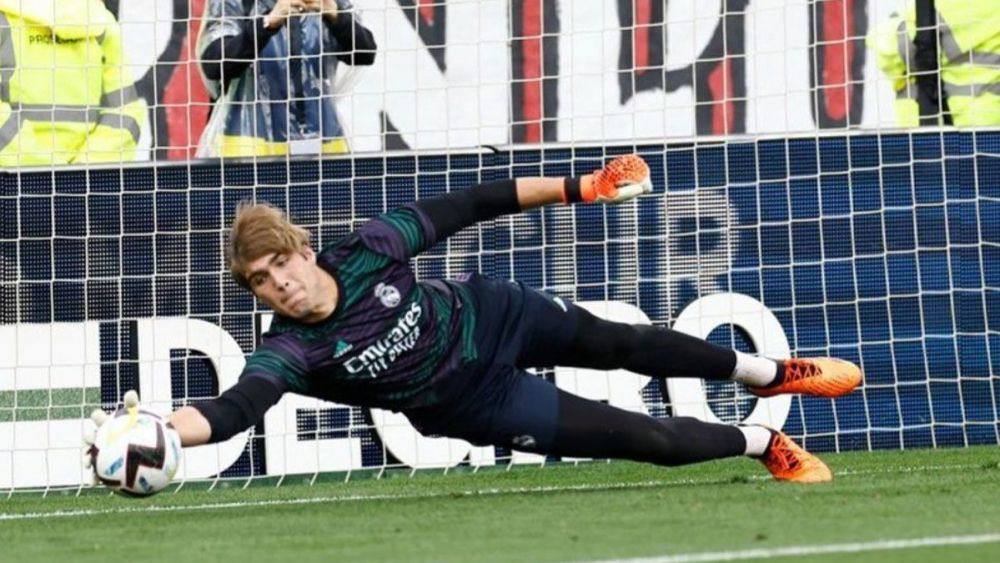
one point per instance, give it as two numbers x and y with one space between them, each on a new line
279 360
399 234
417 226
239 407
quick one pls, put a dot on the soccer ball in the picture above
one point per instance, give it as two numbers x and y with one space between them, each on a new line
135 453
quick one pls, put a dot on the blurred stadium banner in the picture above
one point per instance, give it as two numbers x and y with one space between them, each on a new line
466 74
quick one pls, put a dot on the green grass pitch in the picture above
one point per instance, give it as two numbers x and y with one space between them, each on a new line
559 512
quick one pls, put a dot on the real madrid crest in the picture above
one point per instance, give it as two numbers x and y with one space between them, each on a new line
387 294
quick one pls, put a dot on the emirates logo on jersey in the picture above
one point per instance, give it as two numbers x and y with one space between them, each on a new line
387 294
381 354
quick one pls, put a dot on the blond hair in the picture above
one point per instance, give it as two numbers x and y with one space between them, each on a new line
258 230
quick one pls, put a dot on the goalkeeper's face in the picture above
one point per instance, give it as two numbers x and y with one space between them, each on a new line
289 283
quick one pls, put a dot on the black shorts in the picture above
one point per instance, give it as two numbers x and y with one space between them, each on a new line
517 327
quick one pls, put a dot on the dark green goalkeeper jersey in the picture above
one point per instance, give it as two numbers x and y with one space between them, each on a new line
392 342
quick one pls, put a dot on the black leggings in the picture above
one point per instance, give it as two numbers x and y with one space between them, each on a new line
601 344
587 428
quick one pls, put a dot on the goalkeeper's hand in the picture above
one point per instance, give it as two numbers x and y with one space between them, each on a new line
99 417
622 179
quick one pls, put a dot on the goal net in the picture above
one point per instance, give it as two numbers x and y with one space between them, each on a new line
790 217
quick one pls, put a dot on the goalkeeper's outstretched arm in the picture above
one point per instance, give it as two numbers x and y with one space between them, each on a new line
238 408
623 179
193 428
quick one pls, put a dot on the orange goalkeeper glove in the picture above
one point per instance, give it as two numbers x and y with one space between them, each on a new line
622 179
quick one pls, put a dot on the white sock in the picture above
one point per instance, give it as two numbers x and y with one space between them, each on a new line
757 437
754 370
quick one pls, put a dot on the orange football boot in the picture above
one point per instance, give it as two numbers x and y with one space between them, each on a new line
787 461
819 377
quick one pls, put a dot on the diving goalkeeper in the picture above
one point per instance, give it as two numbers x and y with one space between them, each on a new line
354 326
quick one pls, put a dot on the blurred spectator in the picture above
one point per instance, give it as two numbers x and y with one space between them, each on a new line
272 64
66 92
968 39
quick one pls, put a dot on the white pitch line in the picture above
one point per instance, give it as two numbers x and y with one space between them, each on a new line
12 516
336 499
798 550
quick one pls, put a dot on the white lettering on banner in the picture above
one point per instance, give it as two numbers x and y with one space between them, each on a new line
777 56
418 451
777 67
284 451
465 106
67 355
46 357
590 45
157 337
468 104
700 318
458 107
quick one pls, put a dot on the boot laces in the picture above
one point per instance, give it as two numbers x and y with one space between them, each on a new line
785 456
796 370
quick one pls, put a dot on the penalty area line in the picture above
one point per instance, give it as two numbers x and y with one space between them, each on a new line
822 549
344 498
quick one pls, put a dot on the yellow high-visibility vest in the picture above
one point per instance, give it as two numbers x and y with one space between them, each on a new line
66 92
969 60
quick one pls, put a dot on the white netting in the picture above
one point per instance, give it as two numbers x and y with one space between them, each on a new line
877 245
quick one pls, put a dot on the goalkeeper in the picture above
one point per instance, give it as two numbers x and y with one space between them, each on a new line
354 326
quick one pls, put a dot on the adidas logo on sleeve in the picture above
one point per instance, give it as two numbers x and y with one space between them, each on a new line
342 348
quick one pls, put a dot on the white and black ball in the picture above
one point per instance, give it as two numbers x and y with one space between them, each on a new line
135 452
